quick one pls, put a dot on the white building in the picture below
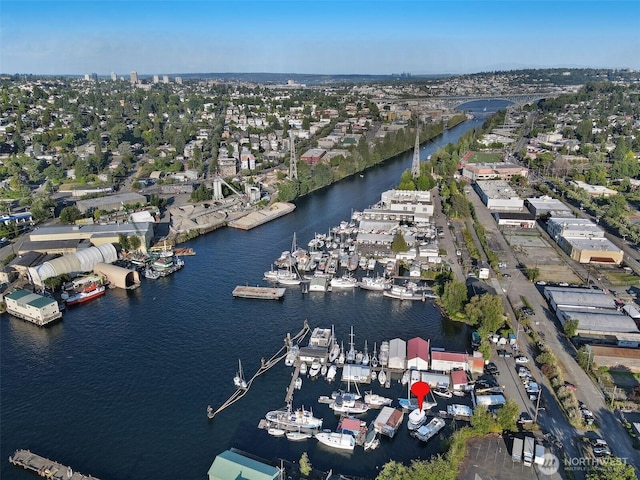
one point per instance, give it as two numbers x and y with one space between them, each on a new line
397 354
498 195
32 307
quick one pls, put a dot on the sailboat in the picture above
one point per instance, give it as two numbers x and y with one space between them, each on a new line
351 354
239 380
382 377
341 357
335 348
365 357
374 358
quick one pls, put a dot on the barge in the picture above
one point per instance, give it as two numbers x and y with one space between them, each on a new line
262 293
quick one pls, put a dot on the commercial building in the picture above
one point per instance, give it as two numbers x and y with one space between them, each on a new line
32 307
515 219
594 190
543 206
583 240
111 202
313 155
492 171
442 361
498 195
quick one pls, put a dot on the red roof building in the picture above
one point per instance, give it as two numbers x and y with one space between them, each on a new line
418 354
442 361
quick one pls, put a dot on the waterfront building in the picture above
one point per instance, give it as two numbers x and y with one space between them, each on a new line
32 307
418 354
397 354
442 361
232 465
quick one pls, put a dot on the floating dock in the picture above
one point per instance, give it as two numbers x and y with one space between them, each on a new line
262 293
46 468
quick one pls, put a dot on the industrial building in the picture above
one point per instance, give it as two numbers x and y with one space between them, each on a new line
32 307
583 241
111 202
545 205
498 195
488 171
615 358
515 219
442 361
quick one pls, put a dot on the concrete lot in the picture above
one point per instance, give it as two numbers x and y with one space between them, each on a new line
490 458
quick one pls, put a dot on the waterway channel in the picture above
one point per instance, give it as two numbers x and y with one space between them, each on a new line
119 388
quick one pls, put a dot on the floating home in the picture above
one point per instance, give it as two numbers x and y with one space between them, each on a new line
32 307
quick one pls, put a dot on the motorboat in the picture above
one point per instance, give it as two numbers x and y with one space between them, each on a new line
417 418
426 432
375 400
342 441
374 375
239 380
323 370
377 284
290 359
298 419
371 440
405 377
298 383
382 377
346 403
442 391
89 292
276 432
343 282
458 410
315 368
298 436
303 368
331 373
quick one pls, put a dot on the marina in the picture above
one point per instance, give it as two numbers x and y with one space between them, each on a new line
44 467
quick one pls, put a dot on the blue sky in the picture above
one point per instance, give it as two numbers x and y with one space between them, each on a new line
315 36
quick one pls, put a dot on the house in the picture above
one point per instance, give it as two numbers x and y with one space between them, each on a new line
233 465
442 361
459 380
418 354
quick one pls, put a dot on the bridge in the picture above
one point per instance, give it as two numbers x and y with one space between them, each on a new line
455 101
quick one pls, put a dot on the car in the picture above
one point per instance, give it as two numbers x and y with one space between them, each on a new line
599 442
570 386
525 418
506 275
507 354
501 352
521 359
601 451
542 283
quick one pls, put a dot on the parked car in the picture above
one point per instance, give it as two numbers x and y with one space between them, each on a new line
507 354
570 386
501 352
525 418
522 359
506 275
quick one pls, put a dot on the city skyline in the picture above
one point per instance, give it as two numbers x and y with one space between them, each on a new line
322 37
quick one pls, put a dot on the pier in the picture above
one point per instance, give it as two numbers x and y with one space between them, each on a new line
264 367
46 468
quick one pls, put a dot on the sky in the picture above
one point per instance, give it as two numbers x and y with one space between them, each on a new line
315 36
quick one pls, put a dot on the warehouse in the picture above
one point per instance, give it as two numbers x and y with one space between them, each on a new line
111 203
547 206
584 298
397 354
498 195
592 250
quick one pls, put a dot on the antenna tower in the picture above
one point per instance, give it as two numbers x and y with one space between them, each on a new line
415 166
293 166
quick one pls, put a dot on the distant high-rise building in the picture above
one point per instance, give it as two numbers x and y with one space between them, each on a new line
86 77
133 77
165 79
179 80
94 77
114 77
156 79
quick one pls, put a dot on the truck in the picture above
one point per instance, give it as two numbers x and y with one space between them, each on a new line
539 455
516 451
529 450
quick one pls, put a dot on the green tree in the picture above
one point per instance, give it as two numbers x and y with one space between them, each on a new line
570 327
305 464
612 468
454 297
134 242
507 415
399 244
482 421
533 273
70 214
123 240
485 310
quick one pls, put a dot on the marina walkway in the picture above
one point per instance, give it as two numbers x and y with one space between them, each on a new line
46 468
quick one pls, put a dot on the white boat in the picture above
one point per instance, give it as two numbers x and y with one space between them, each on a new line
288 418
239 380
280 275
458 410
459 393
343 282
303 368
290 359
315 368
406 292
384 353
416 419
323 370
374 375
374 358
371 440
346 403
426 432
378 284
405 377
334 352
276 432
375 400
342 441
298 436
442 391
341 357
365 358
298 383
351 354
382 377
331 373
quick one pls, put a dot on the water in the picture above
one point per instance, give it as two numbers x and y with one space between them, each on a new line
119 388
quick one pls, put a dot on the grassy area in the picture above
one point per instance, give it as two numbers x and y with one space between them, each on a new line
622 278
483 157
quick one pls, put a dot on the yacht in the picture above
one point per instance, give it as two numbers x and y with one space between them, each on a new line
288 418
342 441
343 282
346 403
315 368
290 359
426 432
331 373
417 418
303 368
442 391
298 383
378 284
375 400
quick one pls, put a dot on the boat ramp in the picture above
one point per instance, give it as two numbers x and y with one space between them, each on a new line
262 293
46 468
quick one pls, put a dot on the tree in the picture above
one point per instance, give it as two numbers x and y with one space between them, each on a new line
533 274
507 415
134 243
123 240
485 310
454 297
305 464
570 327
70 214
399 244
482 421
610 468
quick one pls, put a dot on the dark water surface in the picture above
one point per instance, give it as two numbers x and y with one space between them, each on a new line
119 388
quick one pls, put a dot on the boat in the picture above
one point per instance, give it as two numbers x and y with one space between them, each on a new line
411 404
371 264
351 354
303 368
365 357
323 370
341 357
353 261
377 284
442 391
298 383
87 293
343 282
150 273
374 375
334 352
382 377
291 357
239 380
405 377
331 373
375 400
458 410
315 368
459 393
384 353
346 403
410 291
282 274
417 418
371 440
276 432
298 436
374 358
426 432
342 441
297 419
475 340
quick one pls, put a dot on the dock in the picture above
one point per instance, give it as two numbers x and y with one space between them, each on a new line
44 467
259 217
262 293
